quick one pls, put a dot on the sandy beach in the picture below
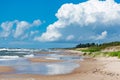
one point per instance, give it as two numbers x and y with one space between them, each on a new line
59 40
4 69
43 60
102 68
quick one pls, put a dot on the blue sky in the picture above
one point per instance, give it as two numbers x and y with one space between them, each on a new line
58 23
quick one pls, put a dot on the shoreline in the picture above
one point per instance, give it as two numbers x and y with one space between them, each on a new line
102 68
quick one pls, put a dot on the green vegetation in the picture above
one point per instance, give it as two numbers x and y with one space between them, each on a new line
86 45
104 54
93 47
114 54
94 50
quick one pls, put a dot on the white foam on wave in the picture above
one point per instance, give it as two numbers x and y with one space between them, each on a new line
8 57
29 56
20 50
14 57
3 49
14 49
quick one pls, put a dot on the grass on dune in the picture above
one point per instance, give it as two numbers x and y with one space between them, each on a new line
104 54
114 54
92 49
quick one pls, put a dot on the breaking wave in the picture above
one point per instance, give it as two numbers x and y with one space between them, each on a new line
6 54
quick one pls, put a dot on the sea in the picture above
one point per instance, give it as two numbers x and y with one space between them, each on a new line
18 59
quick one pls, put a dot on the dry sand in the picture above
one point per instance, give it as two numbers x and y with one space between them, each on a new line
90 69
111 64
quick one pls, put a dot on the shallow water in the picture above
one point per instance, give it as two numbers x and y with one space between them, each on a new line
46 68
23 66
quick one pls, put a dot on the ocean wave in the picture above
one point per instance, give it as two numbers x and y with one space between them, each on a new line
29 56
15 57
20 50
9 57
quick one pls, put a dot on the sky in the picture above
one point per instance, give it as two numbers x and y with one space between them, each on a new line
58 23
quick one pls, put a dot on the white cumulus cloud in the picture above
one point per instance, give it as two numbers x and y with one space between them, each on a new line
70 37
36 22
21 26
17 28
102 36
6 28
86 18
34 32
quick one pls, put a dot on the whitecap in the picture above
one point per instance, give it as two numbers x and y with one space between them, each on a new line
29 56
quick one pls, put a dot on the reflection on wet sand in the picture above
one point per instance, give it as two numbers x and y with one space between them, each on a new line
43 64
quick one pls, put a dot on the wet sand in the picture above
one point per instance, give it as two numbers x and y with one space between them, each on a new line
5 69
44 60
75 75
90 69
